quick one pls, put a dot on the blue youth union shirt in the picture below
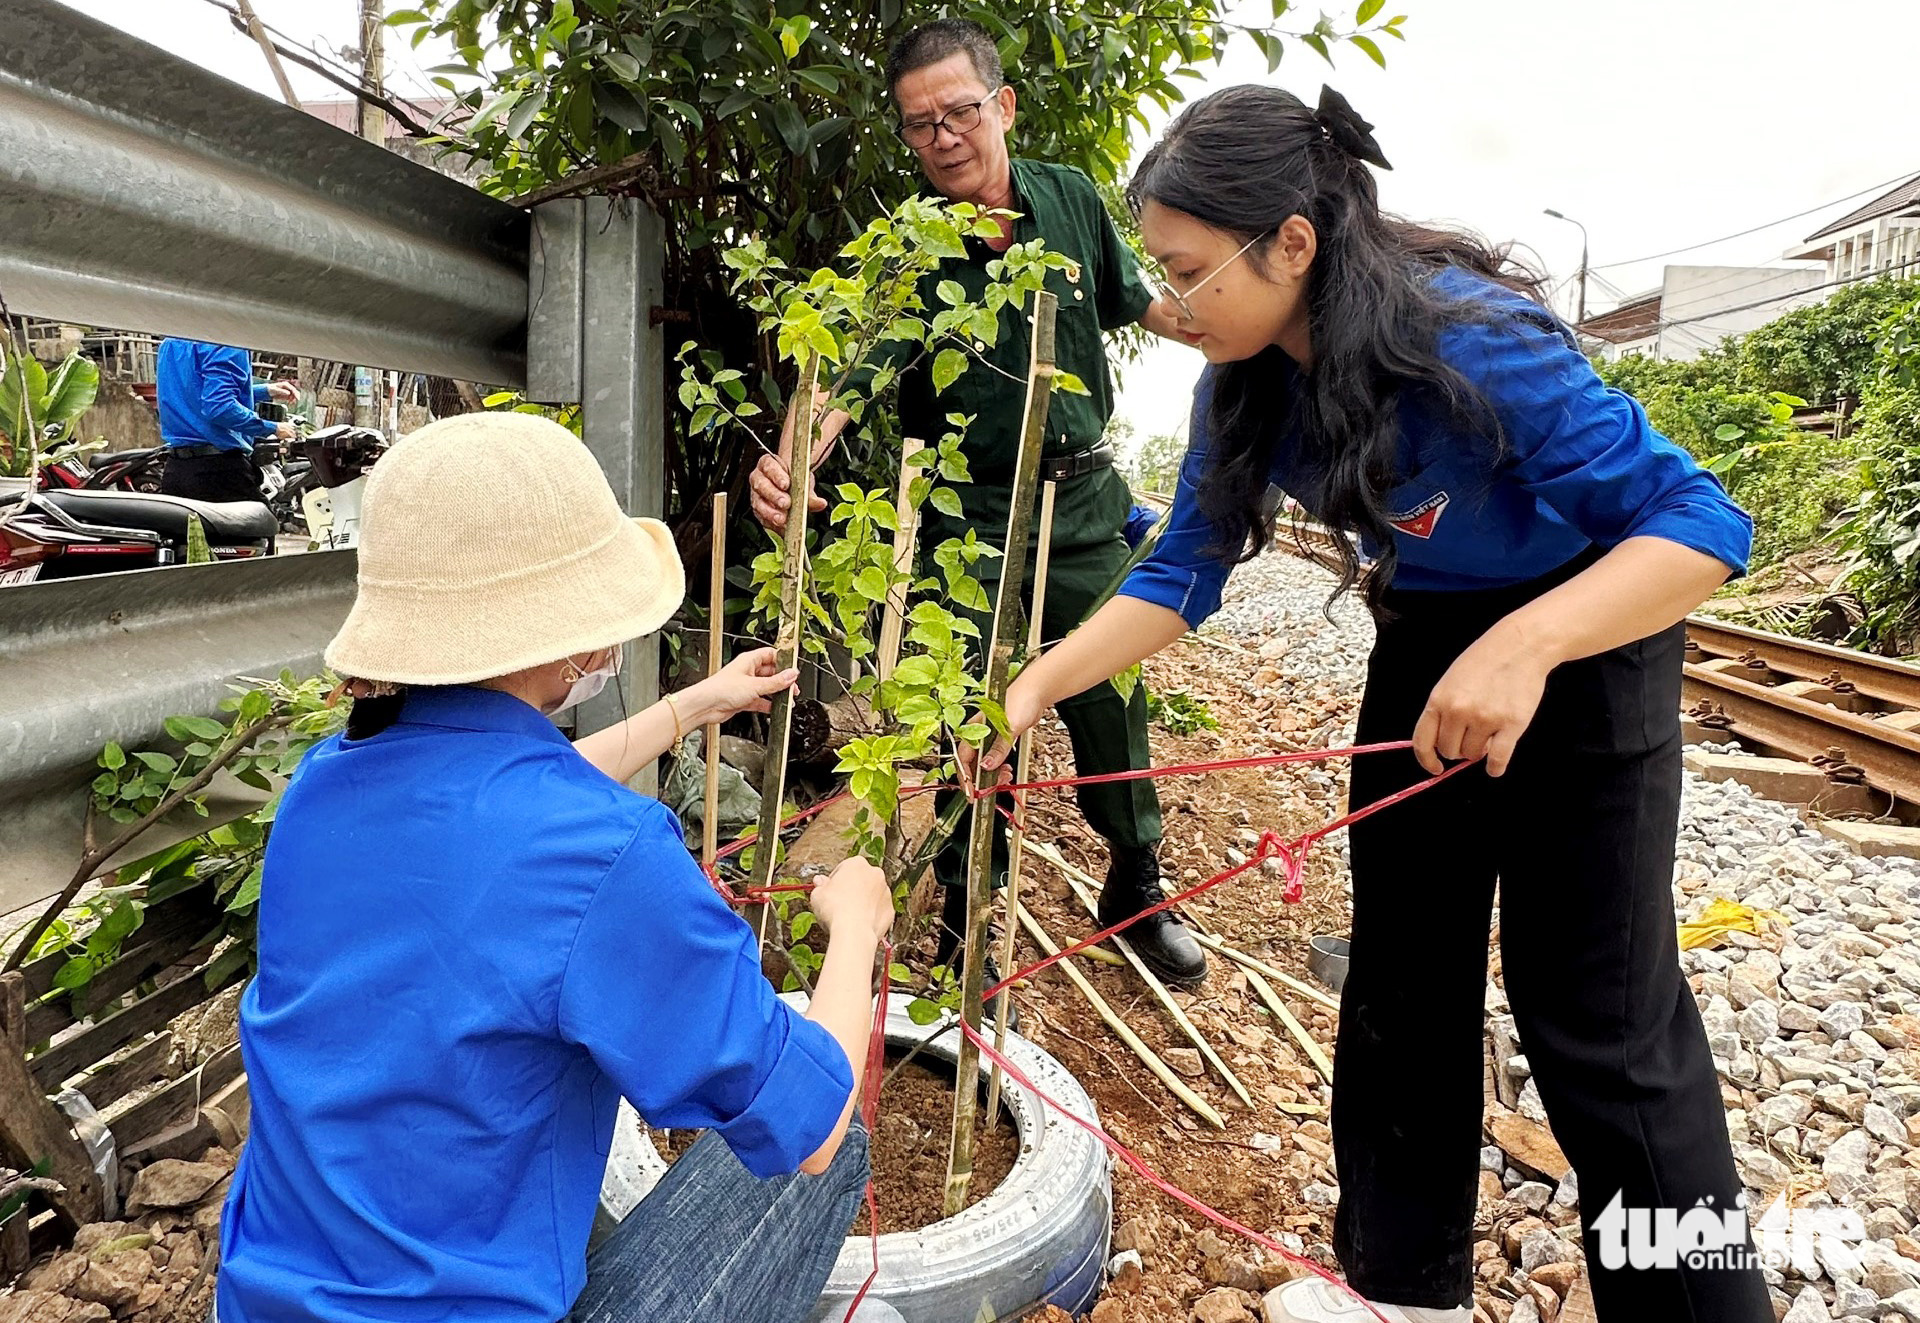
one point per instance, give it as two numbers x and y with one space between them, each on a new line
207 395
1581 467
472 943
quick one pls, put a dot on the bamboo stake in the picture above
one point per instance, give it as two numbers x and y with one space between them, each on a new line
999 657
1023 768
1161 1070
1165 998
1206 939
1279 976
716 634
786 644
1314 1051
259 34
906 531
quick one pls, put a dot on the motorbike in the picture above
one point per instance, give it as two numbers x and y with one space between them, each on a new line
67 533
340 458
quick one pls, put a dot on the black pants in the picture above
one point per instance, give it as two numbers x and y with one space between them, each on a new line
227 475
1580 834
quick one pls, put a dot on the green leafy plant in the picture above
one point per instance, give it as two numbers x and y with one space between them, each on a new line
864 321
38 409
771 119
1180 712
270 727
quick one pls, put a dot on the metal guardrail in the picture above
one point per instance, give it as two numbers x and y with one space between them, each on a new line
141 192
111 657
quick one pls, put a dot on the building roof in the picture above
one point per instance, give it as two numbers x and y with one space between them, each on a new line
1902 198
1634 319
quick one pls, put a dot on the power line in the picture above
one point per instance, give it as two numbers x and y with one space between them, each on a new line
1741 234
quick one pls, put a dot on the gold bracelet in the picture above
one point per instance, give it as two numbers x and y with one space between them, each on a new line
678 735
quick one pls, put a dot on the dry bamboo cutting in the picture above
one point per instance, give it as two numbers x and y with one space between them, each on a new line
1006 615
793 571
1017 838
716 633
1162 1071
1165 998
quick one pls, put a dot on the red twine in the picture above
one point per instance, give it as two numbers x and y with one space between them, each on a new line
1293 857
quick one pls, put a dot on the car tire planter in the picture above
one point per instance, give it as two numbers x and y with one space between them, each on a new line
1040 1238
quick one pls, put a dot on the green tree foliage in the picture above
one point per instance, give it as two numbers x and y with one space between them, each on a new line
769 120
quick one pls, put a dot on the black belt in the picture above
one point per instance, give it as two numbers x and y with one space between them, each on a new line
196 451
1059 468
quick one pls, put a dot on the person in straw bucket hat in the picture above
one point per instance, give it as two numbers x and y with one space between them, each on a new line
475 940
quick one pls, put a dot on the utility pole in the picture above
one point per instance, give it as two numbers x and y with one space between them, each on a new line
1581 315
373 127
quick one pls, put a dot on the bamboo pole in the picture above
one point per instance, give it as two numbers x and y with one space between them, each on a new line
1161 1070
1314 1051
716 635
786 643
259 34
1159 990
999 657
1023 767
906 531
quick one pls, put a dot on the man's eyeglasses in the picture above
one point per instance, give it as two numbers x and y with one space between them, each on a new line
1179 300
959 121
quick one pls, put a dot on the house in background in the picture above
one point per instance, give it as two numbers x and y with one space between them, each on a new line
1696 307
1882 237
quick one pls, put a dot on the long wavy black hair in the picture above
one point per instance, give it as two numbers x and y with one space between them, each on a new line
1243 161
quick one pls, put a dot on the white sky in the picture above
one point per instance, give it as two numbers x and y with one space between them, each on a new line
1658 123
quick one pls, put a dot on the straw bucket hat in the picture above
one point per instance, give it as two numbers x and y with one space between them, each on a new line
490 542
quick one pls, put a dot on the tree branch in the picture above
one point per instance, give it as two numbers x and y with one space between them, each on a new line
90 862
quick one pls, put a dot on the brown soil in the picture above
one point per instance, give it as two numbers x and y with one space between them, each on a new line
910 1141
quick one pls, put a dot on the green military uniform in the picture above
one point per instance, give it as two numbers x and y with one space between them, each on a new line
1101 293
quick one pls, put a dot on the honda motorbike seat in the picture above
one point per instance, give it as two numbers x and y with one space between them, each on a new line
228 523
101 459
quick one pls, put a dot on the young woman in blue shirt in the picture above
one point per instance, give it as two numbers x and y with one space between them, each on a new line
475 940
1534 546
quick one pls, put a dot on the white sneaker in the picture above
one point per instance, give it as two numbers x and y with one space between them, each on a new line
1316 1300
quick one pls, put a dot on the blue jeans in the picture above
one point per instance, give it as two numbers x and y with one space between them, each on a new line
714 1242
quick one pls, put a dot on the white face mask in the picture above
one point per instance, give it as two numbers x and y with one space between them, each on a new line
588 685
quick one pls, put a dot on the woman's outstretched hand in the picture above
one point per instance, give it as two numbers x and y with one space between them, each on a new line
745 684
1483 704
988 767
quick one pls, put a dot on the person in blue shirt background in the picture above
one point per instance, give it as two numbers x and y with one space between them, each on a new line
1536 546
207 397
474 940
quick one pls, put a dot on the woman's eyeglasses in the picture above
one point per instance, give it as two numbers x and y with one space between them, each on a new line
1179 300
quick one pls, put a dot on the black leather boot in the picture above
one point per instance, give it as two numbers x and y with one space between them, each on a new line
1161 940
953 927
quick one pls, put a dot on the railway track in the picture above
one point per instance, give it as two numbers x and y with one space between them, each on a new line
1851 714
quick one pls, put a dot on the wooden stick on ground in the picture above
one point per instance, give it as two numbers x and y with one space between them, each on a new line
1165 998
1201 1107
1023 765
1314 1051
1279 976
786 644
906 530
999 658
1206 939
716 635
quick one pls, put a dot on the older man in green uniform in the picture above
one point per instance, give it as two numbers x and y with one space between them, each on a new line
955 113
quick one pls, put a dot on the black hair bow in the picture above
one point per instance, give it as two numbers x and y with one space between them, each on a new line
1349 132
